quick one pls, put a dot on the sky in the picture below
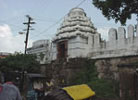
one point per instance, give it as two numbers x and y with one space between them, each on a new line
48 15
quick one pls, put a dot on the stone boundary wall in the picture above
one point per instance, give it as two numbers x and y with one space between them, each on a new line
120 43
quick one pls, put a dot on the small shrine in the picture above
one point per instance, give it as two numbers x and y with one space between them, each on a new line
75 36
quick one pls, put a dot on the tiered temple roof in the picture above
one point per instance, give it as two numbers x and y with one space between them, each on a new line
76 22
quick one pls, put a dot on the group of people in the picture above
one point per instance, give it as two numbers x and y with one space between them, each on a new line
8 91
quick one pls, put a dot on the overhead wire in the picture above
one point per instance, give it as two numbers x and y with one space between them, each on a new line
46 21
44 5
81 3
51 26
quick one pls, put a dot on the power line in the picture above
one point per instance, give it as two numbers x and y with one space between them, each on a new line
46 20
81 3
51 26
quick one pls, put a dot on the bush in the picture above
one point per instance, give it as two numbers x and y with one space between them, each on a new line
103 88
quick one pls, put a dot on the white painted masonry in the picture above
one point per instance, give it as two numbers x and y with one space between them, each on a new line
118 45
41 47
78 30
84 40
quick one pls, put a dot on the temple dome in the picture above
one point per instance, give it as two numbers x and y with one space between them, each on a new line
77 11
76 22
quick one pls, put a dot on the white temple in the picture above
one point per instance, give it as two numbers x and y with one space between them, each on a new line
42 49
77 38
74 37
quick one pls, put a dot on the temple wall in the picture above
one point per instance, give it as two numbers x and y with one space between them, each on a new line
77 47
119 44
54 51
80 47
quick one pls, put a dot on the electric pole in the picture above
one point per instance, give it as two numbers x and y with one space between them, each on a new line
27 30
137 25
28 23
137 19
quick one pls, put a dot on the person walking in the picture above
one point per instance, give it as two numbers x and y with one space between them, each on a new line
9 91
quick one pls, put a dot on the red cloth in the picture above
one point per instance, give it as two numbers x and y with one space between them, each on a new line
0 88
6 83
9 83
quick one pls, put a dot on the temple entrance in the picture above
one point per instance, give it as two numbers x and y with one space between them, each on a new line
62 50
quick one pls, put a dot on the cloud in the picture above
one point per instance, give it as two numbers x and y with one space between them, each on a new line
104 32
9 42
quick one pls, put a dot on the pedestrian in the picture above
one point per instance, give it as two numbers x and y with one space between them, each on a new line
0 81
9 91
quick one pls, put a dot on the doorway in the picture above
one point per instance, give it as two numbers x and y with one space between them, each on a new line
62 50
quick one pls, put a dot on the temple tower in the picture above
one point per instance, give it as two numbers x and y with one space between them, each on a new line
75 37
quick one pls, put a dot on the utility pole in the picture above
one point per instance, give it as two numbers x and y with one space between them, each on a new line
27 30
137 25
137 19
28 23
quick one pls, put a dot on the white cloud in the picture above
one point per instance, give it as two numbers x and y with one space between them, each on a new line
104 32
9 42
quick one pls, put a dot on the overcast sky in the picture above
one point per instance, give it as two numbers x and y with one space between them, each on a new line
47 15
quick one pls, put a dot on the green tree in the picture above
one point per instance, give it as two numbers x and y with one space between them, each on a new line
119 10
102 87
19 62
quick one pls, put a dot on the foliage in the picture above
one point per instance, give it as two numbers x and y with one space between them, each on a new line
103 88
19 62
119 10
